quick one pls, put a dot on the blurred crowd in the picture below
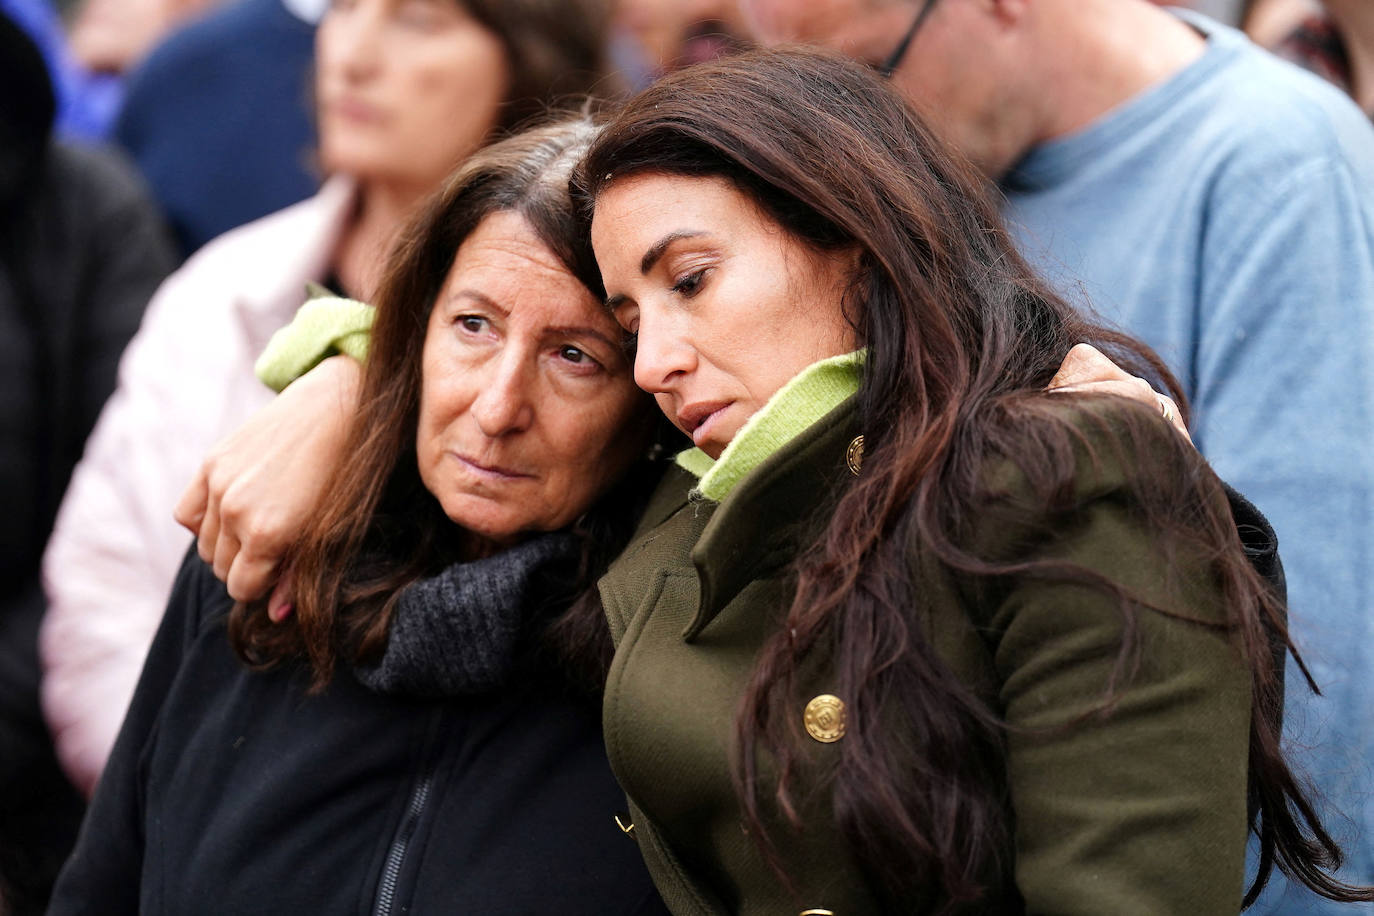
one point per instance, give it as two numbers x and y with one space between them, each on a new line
173 173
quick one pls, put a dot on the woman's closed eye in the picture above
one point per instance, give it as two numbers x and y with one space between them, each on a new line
627 317
689 283
626 314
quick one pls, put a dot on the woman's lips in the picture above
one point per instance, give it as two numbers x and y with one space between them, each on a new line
489 471
699 419
356 110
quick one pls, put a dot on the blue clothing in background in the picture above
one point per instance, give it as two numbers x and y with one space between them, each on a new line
86 102
1227 217
218 119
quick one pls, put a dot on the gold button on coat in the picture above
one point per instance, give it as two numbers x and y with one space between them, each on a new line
824 718
854 455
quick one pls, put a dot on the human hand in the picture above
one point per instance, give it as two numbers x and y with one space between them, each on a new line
252 495
1085 368
281 603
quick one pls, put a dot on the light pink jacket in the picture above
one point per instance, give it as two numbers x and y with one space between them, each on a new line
185 381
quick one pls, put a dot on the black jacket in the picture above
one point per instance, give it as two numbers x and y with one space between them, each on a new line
81 251
230 791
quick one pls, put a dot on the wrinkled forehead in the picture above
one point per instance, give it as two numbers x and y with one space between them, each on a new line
504 261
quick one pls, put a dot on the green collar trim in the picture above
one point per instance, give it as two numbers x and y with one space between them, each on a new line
325 325
810 395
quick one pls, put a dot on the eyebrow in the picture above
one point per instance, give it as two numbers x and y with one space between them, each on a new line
482 298
652 257
581 331
655 252
571 330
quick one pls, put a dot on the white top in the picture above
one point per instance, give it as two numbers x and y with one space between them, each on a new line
185 381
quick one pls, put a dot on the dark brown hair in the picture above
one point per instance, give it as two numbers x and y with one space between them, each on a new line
962 337
556 53
382 529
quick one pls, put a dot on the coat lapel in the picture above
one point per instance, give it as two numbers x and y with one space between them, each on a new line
759 529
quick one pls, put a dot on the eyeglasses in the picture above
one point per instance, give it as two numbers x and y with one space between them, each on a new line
894 60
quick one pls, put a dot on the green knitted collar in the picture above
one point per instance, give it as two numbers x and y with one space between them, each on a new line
810 395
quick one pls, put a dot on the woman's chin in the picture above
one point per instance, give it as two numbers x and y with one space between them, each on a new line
486 519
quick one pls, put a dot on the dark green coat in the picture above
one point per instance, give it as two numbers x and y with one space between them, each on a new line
1143 811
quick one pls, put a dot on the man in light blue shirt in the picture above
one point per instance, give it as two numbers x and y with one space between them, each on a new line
1219 204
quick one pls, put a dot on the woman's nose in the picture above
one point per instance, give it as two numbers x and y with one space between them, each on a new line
356 41
662 354
505 403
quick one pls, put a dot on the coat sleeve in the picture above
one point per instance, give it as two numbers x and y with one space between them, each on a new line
103 874
1128 785
184 381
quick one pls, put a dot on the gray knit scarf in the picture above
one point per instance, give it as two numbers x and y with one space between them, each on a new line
457 633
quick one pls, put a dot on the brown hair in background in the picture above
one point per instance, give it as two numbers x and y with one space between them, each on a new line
558 53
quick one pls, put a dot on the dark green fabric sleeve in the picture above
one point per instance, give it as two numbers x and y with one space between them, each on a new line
1128 782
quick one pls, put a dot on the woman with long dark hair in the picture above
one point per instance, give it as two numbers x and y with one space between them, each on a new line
904 632
419 736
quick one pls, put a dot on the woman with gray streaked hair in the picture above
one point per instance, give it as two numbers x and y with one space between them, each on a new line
406 89
415 737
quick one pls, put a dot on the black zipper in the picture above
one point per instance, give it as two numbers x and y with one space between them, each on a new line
400 843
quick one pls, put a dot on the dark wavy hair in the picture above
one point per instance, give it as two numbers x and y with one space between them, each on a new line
962 336
381 529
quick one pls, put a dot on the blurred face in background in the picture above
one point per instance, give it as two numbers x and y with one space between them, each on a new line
406 88
111 36
1269 22
677 33
962 69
